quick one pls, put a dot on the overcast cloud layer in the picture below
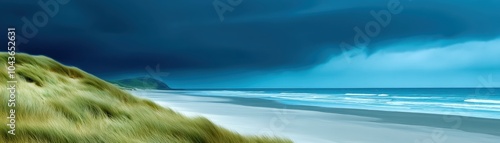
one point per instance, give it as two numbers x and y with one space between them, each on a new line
262 37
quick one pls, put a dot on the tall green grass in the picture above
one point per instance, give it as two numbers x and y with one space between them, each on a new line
60 104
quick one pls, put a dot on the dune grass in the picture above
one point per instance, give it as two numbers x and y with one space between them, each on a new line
60 104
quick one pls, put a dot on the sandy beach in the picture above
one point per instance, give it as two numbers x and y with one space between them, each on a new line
305 124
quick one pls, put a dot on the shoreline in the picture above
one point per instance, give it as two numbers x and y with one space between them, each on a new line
254 116
466 123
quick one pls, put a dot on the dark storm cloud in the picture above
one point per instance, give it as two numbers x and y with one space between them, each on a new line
110 36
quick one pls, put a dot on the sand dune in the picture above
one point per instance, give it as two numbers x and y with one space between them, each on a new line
60 104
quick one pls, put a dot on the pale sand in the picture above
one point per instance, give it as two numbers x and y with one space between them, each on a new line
305 125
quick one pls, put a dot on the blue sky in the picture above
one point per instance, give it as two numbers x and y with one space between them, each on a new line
279 44
459 65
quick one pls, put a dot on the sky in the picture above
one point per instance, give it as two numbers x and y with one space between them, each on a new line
268 44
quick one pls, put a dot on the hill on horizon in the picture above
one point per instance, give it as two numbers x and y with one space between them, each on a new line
141 83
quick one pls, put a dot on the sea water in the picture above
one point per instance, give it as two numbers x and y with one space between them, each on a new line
472 102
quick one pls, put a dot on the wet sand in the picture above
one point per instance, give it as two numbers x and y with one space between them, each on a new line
252 116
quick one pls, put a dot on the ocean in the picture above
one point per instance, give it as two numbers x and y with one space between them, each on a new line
471 102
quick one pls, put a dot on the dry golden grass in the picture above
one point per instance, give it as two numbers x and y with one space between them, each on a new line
60 104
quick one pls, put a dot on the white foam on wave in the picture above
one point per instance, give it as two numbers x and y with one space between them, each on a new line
449 105
470 107
482 101
305 95
410 97
358 99
230 93
360 94
262 94
366 94
383 95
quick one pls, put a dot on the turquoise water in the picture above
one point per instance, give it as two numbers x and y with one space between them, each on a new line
473 102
